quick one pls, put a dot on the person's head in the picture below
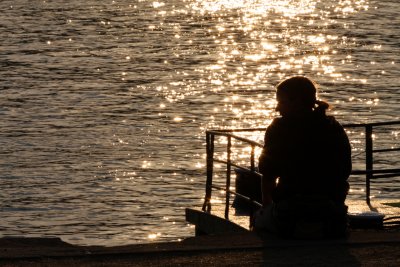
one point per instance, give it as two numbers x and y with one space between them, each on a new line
296 96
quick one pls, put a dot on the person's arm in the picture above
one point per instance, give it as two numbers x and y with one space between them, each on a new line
343 152
267 166
268 181
268 185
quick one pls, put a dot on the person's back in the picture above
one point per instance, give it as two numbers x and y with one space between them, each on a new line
305 162
311 155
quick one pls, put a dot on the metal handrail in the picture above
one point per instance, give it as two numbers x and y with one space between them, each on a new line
369 172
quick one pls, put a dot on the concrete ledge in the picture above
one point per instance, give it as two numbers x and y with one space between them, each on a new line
241 249
207 223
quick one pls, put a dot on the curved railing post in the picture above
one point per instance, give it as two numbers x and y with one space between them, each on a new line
210 163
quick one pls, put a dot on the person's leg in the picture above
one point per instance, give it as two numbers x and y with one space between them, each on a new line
264 219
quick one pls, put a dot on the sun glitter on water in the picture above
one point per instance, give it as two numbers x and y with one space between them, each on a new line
153 236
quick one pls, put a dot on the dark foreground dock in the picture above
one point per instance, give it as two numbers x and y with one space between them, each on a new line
362 248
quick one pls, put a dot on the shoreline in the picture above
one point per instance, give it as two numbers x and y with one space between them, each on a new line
367 247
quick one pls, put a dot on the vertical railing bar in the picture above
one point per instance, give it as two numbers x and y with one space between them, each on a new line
228 177
210 163
368 161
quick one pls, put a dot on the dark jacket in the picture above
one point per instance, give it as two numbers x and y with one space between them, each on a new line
311 156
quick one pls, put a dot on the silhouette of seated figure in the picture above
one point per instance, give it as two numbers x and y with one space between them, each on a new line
305 162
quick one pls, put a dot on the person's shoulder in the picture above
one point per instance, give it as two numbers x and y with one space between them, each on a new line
274 127
334 125
332 121
275 124
276 121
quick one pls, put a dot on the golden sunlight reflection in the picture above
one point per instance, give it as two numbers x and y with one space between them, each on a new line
288 7
251 45
153 236
260 42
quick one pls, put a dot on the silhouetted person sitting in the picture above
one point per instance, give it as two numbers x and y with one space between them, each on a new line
305 162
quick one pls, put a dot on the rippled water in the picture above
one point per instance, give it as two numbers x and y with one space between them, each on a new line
104 104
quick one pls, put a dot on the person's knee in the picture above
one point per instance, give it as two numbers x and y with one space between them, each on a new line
263 219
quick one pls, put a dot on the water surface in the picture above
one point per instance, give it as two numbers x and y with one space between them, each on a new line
104 104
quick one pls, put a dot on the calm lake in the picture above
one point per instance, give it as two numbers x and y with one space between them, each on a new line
104 104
